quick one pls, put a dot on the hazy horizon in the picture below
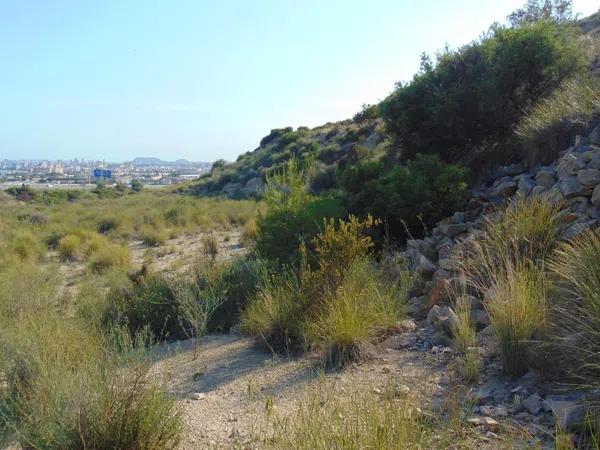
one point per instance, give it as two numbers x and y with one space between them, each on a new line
199 81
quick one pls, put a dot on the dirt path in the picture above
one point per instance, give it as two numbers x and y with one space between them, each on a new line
231 388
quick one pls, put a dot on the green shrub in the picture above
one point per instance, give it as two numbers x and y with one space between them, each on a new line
292 215
412 196
27 246
69 247
466 103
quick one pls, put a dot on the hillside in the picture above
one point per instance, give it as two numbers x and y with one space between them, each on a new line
328 145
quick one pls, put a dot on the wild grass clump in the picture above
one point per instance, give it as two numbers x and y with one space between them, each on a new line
152 237
210 245
26 246
519 311
64 387
577 267
69 247
550 124
362 308
108 257
361 420
274 315
507 265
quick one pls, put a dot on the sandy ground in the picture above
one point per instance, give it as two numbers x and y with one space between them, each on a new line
230 388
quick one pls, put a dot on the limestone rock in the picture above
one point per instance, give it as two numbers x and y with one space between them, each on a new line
589 177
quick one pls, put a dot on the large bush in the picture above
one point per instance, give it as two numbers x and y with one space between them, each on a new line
293 215
469 100
411 196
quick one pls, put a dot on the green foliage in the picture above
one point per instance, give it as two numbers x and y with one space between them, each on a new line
69 247
292 215
420 193
137 185
153 237
108 257
467 103
63 386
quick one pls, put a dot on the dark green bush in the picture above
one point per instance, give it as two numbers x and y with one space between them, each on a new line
420 193
470 99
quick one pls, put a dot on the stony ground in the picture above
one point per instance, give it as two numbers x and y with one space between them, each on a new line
233 392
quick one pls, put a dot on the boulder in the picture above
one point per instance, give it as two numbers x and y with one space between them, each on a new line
525 186
458 217
545 178
453 229
571 187
480 318
589 177
505 188
512 170
569 413
594 136
447 264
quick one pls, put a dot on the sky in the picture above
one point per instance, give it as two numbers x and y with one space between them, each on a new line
203 80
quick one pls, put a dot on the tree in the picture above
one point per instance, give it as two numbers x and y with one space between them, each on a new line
137 185
534 10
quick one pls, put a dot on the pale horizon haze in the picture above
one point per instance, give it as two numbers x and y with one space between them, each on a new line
206 80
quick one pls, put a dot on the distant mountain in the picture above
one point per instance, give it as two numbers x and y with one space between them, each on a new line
151 161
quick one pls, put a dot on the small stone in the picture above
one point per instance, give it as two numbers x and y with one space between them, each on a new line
500 411
490 424
569 414
447 264
458 217
486 410
377 391
475 421
480 318
426 267
566 166
197 396
405 326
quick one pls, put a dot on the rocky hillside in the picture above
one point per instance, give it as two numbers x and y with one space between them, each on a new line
328 145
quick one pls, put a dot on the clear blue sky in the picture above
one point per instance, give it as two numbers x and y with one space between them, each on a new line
203 80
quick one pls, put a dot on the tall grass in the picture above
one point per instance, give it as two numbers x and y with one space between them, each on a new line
64 385
362 308
507 264
577 267
548 125
275 314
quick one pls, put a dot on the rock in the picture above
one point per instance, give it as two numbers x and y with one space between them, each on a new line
589 177
475 421
596 197
490 424
475 302
580 141
447 264
500 411
491 389
533 404
525 186
594 136
566 166
506 188
545 178
425 268
441 339
444 319
554 194
452 229
480 318
486 410
571 187
437 405
570 414
575 230
405 326
439 292
512 170
578 205
458 217
197 396
538 190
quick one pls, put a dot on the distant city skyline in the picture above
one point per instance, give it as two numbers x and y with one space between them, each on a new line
199 80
